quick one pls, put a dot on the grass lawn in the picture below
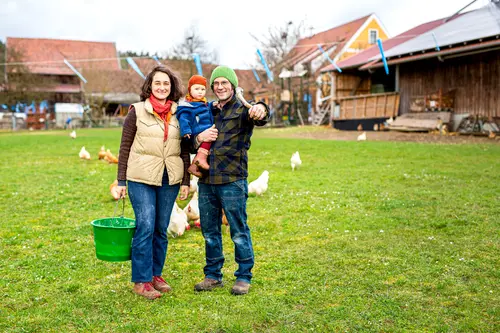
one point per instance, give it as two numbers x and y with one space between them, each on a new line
365 237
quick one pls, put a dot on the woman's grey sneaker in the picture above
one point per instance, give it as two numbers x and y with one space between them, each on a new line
208 284
240 288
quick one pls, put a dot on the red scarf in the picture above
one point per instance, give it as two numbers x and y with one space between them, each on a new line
162 111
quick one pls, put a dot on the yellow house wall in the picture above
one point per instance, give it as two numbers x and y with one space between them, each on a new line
361 42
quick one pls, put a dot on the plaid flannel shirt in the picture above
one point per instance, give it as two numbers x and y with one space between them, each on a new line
228 157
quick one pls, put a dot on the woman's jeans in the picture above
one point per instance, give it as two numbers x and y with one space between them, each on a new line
232 198
152 208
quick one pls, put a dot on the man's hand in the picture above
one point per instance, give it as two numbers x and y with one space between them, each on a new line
257 112
208 135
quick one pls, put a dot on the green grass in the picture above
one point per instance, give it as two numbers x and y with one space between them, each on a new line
365 237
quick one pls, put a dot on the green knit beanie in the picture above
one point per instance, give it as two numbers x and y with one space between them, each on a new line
225 72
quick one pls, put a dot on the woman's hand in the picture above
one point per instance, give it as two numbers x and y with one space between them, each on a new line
121 191
184 192
208 135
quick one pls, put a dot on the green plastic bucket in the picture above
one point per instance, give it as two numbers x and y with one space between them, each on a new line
113 238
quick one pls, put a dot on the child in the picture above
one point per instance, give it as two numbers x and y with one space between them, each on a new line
194 117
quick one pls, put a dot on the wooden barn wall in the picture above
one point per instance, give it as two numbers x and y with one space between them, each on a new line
476 79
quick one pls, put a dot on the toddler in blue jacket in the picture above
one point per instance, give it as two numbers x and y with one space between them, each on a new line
194 117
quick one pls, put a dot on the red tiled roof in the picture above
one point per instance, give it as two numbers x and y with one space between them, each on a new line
328 38
118 81
364 56
47 55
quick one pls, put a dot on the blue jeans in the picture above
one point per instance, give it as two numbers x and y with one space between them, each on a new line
232 198
152 208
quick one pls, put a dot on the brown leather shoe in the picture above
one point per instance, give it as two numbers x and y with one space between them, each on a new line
201 159
240 288
208 284
161 285
146 290
195 171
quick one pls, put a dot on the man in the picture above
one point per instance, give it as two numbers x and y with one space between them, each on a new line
225 185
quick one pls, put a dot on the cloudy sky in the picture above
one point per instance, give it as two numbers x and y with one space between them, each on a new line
157 25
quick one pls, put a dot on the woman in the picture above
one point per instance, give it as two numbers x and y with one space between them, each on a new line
154 164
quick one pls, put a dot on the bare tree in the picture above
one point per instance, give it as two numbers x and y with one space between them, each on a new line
279 41
20 84
193 42
2 61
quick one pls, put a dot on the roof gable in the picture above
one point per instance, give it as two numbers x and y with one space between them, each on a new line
337 35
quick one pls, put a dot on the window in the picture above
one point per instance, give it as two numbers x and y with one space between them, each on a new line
372 36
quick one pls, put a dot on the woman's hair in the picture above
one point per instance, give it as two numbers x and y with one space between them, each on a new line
176 90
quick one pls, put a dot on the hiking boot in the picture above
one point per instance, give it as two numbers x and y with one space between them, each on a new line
240 288
195 171
146 290
208 284
201 159
161 285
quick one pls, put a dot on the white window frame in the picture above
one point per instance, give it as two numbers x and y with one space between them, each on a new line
370 34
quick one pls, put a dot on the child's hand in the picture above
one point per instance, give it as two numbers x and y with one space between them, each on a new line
188 136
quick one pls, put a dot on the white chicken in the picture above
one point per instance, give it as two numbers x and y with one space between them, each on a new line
84 154
73 135
259 186
362 137
193 185
178 222
193 211
295 161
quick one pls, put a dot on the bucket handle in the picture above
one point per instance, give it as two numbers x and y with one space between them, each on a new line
123 207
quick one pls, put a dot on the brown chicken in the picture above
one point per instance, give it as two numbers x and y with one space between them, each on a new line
102 153
224 220
110 157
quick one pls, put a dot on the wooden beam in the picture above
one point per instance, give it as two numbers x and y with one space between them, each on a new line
385 105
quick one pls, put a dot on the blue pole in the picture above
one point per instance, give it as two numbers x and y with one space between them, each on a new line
329 59
74 70
197 61
269 74
132 64
256 75
435 41
379 42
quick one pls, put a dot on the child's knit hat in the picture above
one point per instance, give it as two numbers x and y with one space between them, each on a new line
197 79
